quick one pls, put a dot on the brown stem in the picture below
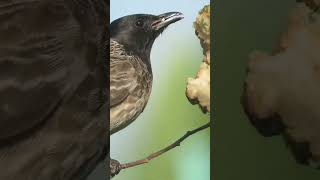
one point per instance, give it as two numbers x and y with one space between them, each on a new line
164 150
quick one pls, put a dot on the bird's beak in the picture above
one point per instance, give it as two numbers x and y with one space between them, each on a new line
166 19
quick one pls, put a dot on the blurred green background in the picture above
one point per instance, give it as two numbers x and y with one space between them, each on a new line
176 55
239 152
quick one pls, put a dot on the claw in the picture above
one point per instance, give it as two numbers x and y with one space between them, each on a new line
115 167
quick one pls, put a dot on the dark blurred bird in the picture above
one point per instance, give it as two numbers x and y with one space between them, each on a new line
131 41
53 88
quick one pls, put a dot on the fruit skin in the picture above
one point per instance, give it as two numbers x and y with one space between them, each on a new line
198 88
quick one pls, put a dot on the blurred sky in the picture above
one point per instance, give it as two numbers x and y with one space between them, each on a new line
190 8
176 55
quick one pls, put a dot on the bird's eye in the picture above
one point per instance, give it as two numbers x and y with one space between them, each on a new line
139 23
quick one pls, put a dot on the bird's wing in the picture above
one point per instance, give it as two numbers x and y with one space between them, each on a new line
37 53
123 76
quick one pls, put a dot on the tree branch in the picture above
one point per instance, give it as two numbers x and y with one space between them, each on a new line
164 150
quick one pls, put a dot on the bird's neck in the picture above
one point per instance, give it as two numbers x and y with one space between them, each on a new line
143 51
140 52
137 46
143 54
146 60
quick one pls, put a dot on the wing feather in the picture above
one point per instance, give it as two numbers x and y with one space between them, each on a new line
37 52
123 78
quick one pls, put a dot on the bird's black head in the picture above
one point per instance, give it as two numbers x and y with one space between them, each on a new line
137 32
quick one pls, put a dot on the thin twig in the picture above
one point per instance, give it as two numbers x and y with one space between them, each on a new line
164 150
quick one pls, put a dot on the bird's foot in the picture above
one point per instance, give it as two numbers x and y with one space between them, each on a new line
115 167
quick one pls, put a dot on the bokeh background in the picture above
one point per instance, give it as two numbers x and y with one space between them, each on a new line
176 55
239 152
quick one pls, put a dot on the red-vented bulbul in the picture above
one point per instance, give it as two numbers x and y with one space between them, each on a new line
131 41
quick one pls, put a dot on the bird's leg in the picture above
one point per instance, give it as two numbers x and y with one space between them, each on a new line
115 167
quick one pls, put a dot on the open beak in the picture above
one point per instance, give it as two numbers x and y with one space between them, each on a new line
166 19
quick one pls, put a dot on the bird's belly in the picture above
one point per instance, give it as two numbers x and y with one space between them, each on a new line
126 112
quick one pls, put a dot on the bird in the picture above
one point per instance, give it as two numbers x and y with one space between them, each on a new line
54 88
131 41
